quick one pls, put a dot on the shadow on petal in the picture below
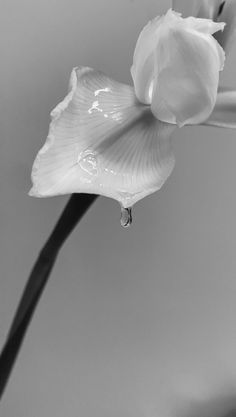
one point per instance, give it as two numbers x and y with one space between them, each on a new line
103 141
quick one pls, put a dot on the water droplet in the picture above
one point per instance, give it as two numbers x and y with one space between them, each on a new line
95 107
88 162
126 216
102 90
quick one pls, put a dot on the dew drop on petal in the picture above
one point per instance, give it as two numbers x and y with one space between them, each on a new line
126 217
88 162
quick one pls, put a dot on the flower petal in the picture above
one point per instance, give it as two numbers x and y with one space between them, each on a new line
228 16
143 67
102 141
189 60
224 113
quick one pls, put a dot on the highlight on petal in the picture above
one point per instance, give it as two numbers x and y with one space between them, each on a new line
224 113
228 16
176 68
102 141
144 66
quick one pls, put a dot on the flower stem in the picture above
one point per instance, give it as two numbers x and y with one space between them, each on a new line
76 207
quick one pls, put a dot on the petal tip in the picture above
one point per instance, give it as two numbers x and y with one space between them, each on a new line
33 192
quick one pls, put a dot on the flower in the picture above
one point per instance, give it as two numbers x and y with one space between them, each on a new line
112 139
176 68
218 10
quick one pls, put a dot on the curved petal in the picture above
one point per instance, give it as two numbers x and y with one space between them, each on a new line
228 16
143 68
186 86
102 141
224 113
176 67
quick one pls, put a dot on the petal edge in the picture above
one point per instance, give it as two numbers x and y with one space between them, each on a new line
103 141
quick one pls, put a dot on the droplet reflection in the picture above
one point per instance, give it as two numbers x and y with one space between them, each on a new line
88 162
126 216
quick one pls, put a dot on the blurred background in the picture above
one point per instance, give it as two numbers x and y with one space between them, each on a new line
133 323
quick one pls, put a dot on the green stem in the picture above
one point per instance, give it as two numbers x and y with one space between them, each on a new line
73 212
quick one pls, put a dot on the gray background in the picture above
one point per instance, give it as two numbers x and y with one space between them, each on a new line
133 322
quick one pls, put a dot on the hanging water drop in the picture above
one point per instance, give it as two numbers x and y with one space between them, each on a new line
126 216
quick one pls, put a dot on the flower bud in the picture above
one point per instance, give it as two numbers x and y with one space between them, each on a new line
176 68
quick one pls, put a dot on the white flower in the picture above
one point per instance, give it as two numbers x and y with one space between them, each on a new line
115 140
176 68
218 10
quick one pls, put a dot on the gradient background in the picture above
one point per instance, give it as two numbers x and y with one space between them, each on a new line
136 322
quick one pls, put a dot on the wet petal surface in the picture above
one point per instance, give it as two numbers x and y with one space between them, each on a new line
102 141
